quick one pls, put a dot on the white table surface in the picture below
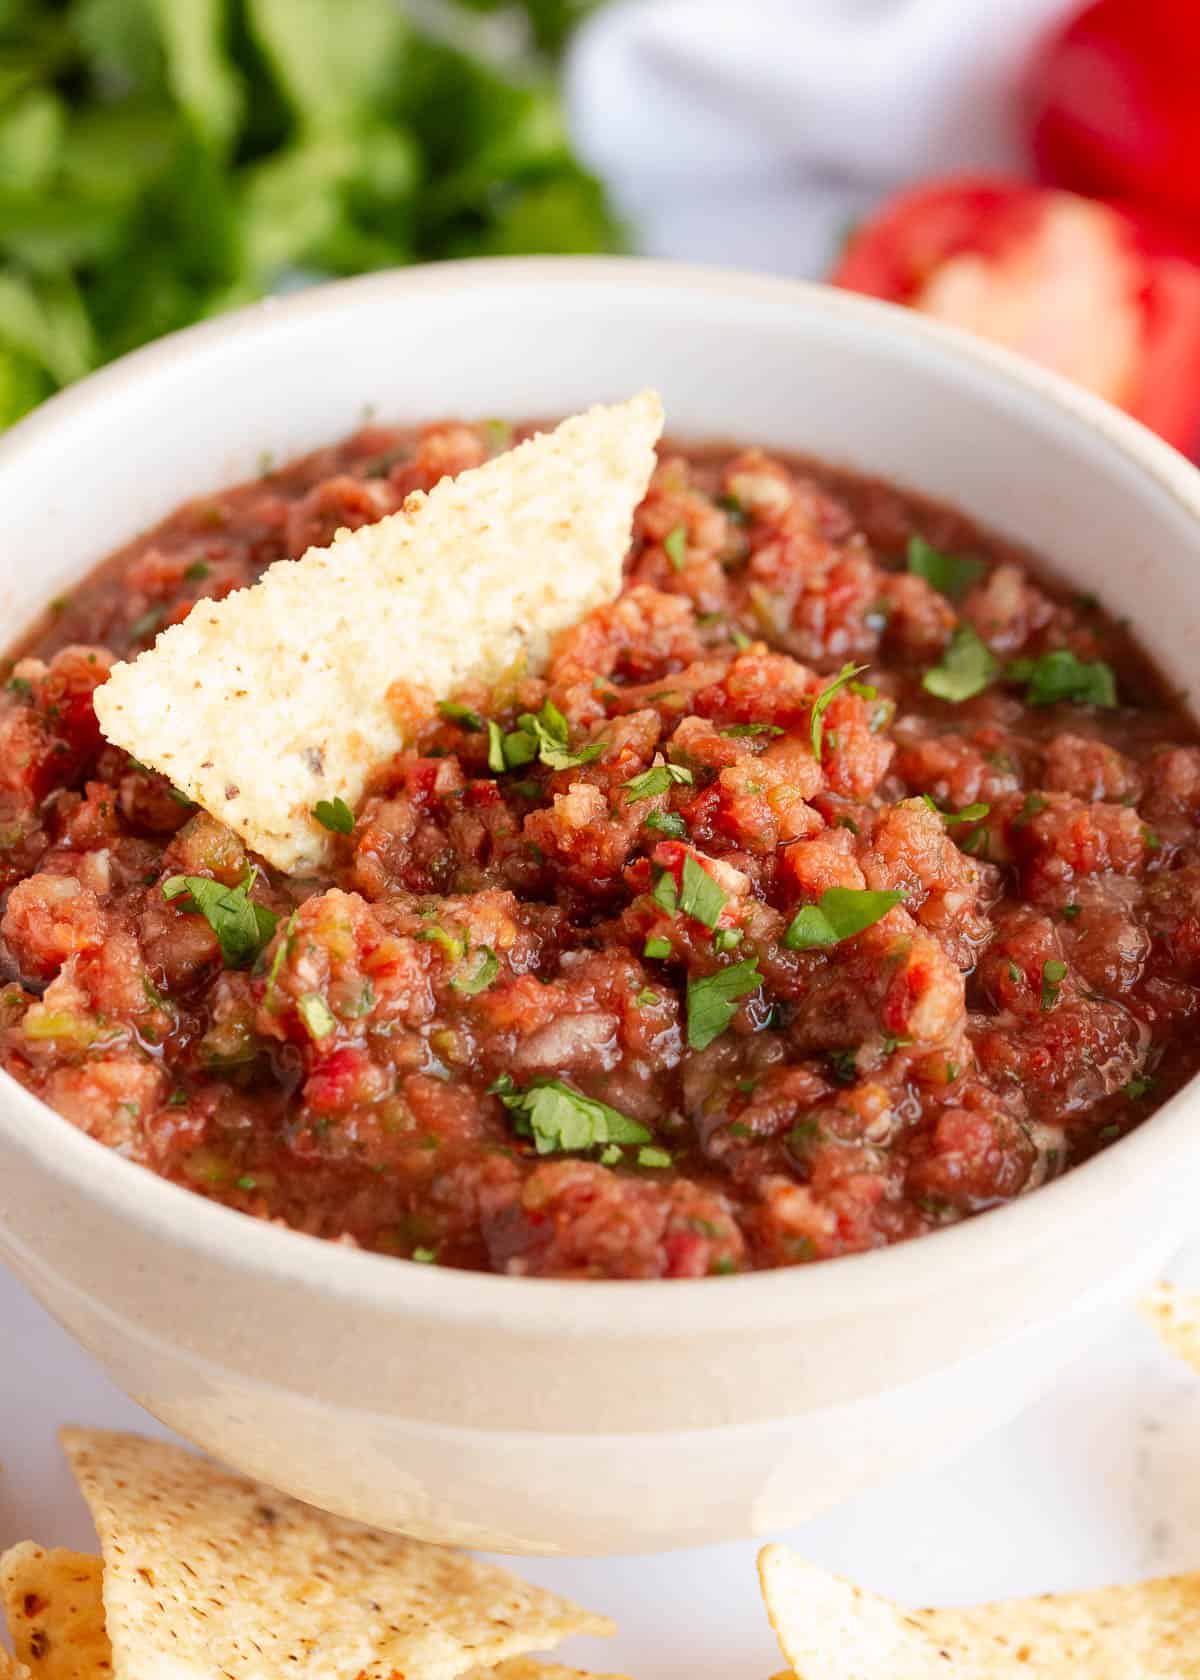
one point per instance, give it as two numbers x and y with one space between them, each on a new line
1099 1482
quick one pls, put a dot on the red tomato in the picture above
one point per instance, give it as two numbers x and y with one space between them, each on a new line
1114 103
1093 291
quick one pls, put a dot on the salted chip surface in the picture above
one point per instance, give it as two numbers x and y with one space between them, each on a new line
832 1630
55 1609
208 1573
289 693
1175 1314
55 1613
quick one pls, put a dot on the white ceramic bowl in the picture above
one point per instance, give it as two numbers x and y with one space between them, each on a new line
588 1417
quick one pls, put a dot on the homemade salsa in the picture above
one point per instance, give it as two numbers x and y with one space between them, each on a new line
837 882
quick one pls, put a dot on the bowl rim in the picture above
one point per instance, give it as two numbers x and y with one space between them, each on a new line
668 1308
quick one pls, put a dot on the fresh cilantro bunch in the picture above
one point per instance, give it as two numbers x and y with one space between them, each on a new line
161 160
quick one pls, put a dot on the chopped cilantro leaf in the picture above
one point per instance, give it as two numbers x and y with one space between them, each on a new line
838 914
658 779
495 747
1054 972
700 896
1071 912
727 939
646 998
317 1016
968 814
148 624
543 735
666 894
424 1256
736 730
487 967
949 574
1138 1087
242 927
844 1065
1034 804
335 815
611 1154
968 666
196 572
657 947
466 716
560 1119
712 1002
739 638
1059 676
668 822
821 703
648 1156
675 547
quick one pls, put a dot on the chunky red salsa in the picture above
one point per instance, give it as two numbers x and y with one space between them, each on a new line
837 882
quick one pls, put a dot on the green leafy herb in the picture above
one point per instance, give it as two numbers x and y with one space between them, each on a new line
148 624
668 822
242 927
561 1120
666 894
739 638
543 735
1054 972
487 967
712 1002
495 756
968 814
658 779
844 1065
736 730
465 716
838 914
647 998
675 547
1071 912
949 574
1138 1087
648 1156
424 1256
317 1016
968 666
657 947
699 895
335 815
1032 806
821 703
196 572
1059 676
727 939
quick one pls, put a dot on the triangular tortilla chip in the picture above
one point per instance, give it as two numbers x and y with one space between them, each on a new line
55 1614
831 1630
288 693
55 1611
207 1573
1175 1314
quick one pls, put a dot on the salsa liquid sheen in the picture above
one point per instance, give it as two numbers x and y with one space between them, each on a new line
565 1018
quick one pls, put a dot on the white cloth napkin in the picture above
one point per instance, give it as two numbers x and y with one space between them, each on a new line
752 132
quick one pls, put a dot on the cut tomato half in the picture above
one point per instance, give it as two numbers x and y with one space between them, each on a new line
1091 290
